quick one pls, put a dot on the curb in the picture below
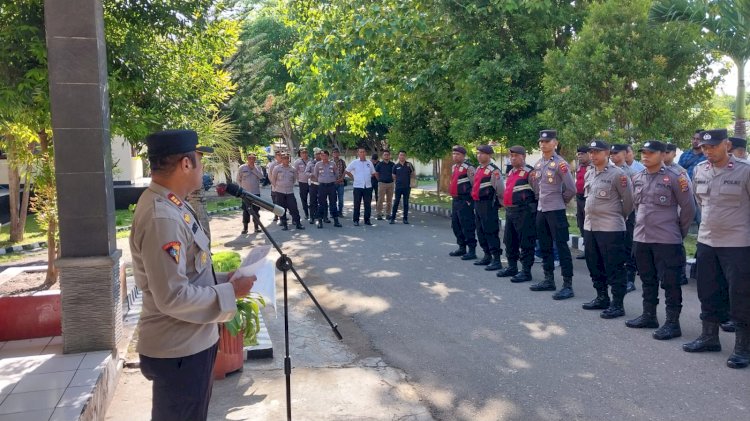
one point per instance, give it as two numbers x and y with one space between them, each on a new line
264 349
22 248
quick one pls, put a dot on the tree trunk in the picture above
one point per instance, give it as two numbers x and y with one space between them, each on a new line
739 122
18 211
444 182
51 277
197 200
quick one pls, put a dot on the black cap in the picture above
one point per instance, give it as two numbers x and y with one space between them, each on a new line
485 149
598 145
546 135
738 142
173 142
619 147
671 147
713 137
459 149
699 131
517 149
582 149
374 156
653 146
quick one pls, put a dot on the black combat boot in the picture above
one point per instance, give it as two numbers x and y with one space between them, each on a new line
523 276
671 328
460 251
495 264
484 261
510 270
729 326
683 277
647 320
299 226
707 342
601 301
471 254
615 309
548 284
320 222
630 285
566 291
336 222
740 358
326 220
284 226
244 229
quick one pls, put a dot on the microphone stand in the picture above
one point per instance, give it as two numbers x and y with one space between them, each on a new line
284 264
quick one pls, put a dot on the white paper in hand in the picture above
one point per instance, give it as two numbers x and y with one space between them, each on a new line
262 264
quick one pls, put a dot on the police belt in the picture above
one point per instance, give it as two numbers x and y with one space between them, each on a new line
463 197
580 196
327 184
522 207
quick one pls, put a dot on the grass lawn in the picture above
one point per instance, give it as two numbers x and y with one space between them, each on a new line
32 234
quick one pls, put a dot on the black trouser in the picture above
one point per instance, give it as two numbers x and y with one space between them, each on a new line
488 226
552 227
288 202
360 194
724 283
275 200
304 196
605 259
660 264
246 214
629 257
462 221
520 232
399 193
374 182
181 386
327 200
313 200
580 212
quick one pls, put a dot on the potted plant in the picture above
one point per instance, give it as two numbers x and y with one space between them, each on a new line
242 329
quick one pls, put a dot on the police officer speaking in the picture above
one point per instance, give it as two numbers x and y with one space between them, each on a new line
462 209
554 187
182 303
722 190
487 192
609 200
665 211
520 205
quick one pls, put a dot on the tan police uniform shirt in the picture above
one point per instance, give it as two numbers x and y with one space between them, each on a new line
300 165
723 195
249 178
172 266
553 184
312 176
283 177
609 199
665 206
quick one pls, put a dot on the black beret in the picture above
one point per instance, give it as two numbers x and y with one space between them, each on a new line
738 142
653 146
547 135
485 149
598 145
713 137
619 147
374 156
173 142
671 147
582 149
517 149
459 149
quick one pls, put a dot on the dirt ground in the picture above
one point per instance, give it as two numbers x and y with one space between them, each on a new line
26 282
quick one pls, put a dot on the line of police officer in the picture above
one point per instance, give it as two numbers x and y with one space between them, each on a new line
660 198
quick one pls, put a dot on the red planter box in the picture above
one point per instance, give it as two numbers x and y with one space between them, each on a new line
31 316
231 355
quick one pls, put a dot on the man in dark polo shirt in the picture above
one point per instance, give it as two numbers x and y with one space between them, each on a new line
384 174
405 175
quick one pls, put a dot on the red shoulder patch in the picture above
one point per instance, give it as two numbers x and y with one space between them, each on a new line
564 168
173 250
683 183
624 180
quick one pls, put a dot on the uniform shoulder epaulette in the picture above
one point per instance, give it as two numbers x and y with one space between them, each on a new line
163 208
741 161
673 170
529 167
465 165
492 164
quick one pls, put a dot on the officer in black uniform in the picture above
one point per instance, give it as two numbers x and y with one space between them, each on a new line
487 192
520 205
462 215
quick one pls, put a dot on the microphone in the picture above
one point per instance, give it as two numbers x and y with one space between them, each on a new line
237 191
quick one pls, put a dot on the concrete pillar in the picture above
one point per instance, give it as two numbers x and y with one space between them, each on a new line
89 263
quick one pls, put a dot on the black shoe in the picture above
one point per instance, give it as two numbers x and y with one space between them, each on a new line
630 287
495 264
644 321
299 226
327 221
707 342
484 261
392 221
548 284
471 254
613 311
312 221
670 329
379 218
244 231
320 223
258 230
729 326
511 270
564 293
523 276
406 221
336 223
285 227
368 223
460 251
601 302
356 223
740 358
581 257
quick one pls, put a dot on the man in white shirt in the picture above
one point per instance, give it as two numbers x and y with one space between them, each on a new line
361 170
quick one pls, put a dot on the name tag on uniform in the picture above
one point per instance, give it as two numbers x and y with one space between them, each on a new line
486 171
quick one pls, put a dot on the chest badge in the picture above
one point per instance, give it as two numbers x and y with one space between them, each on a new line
552 165
550 180
663 199
602 193
539 165
549 173
186 218
666 179
486 171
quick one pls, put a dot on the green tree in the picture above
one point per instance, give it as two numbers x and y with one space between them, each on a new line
724 25
627 80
